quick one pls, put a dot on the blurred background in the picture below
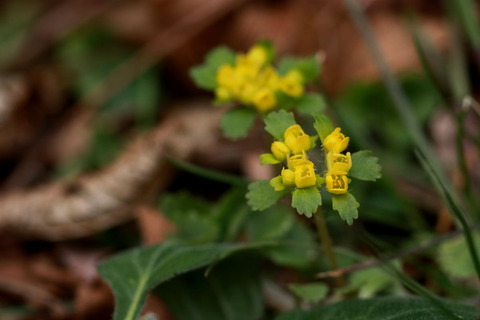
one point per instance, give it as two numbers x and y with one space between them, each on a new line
93 90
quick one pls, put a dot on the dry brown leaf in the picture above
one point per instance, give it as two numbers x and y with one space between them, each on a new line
91 203
154 227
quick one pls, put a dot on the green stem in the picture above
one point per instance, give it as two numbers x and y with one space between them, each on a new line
326 242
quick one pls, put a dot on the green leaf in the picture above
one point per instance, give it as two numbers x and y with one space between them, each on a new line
261 195
455 259
310 292
308 67
306 200
323 125
310 103
204 76
220 56
277 122
270 224
134 273
237 122
295 249
365 166
268 158
391 308
231 291
346 205
231 212
372 281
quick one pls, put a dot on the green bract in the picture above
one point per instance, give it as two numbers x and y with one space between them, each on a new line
305 179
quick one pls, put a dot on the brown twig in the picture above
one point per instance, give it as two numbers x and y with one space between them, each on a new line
376 262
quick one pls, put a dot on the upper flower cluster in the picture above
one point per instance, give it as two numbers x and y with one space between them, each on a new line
252 80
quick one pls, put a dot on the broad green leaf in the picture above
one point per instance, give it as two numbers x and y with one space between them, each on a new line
391 308
346 205
231 291
237 122
134 273
455 259
270 224
231 212
220 56
310 292
306 200
308 67
365 166
204 76
310 103
297 248
277 122
268 158
323 125
261 195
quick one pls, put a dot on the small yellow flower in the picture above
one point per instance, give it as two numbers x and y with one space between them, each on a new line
225 75
264 100
257 55
336 182
339 162
296 140
277 184
336 141
305 175
288 177
280 150
296 159
269 78
292 84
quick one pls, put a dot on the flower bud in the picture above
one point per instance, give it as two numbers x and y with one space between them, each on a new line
296 140
336 141
280 150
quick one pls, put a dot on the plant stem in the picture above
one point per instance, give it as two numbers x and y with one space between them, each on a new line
326 242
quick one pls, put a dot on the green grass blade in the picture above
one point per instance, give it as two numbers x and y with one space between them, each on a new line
404 109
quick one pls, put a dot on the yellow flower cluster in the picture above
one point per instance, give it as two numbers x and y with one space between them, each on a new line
338 164
253 81
300 171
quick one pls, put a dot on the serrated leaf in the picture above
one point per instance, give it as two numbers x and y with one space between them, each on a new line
306 200
277 122
308 67
204 76
268 158
392 308
346 205
134 273
365 166
220 56
310 292
261 195
232 286
310 103
455 259
323 125
237 122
